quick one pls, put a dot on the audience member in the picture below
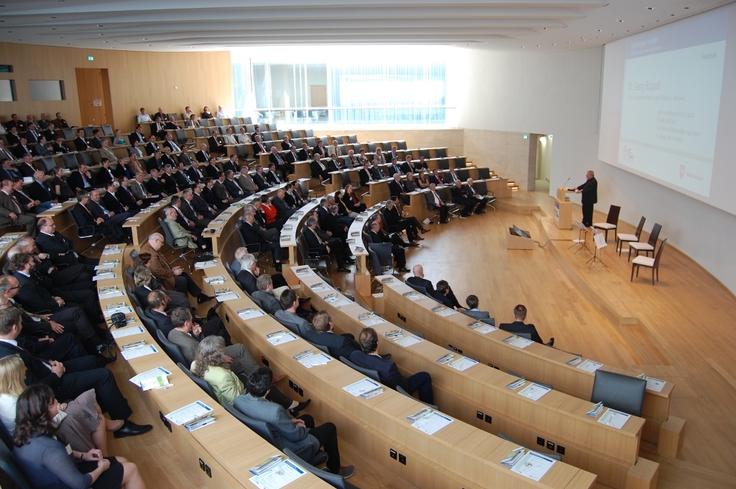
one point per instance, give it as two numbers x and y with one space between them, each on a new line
519 328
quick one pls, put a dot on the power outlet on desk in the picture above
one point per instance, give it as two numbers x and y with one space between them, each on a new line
402 459
550 446
488 419
493 366
560 449
294 386
301 392
264 360
398 314
205 468
479 415
540 441
392 453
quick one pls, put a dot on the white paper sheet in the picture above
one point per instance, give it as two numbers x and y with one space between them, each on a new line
227 297
314 359
362 386
534 391
250 313
124 309
149 374
613 418
533 466
188 413
280 337
139 352
463 363
278 476
590 366
408 341
432 423
127 331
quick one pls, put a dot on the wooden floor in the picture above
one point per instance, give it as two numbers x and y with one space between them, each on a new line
681 330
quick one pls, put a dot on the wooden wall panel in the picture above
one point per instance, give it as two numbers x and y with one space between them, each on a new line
137 79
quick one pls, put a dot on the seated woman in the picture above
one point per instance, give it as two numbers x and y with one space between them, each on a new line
422 180
80 423
46 462
60 188
119 140
211 365
342 208
351 200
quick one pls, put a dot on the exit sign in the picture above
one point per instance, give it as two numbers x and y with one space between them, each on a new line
90 58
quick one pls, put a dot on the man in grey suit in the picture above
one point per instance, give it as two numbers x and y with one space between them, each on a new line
264 296
294 434
11 211
288 317
246 182
473 311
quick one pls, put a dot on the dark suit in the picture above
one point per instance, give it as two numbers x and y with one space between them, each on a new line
252 238
163 321
61 251
135 136
209 196
394 220
296 324
89 223
518 328
154 186
589 196
169 183
460 196
182 180
153 163
260 180
78 181
389 375
397 188
195 174
484 316
304 155
126 197
433 203
316 248
337 345
191 214
247 281
292 157
422 282
80 376
266 301
317 171
398 251
112 203
365 176
20 151
151 147
201 206
233 189
80 144
8 174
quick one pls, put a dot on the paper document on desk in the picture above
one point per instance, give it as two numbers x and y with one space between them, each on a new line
312 359
104 276
277 475
219 280
655 385
463 363
413 295
250 313
110 293
408 341
130 331
149 374
518 341
280 337
362 387
534 391
443 311
481 327
201 265
118 308
112 250
372 320
189 413
614 419
432 422
590 366
227 297
139 352
533 465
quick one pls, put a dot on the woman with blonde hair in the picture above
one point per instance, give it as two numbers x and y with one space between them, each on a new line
79 423
211 365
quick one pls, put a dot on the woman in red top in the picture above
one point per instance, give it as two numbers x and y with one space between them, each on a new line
270 212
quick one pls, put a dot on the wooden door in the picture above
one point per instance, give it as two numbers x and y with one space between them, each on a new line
93 88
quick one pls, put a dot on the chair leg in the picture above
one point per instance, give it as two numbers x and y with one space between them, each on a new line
632 272
653 269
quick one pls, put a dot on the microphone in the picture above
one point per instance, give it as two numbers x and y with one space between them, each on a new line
565 184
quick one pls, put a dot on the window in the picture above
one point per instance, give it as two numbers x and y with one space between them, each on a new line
7 91
46 89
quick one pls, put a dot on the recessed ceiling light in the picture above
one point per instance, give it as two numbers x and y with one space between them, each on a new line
100 25
522 47
145 39
52 17
539 46
554 44
686 8
544 28
101 34
53 28
149 45
650 8
105 42
599 30
620 20
672 15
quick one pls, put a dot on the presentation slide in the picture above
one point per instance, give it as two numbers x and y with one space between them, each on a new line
665 115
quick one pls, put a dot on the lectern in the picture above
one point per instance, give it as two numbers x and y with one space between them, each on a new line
563 209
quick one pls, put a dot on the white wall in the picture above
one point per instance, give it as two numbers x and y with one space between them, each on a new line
559 94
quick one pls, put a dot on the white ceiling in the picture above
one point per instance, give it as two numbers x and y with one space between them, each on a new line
543 25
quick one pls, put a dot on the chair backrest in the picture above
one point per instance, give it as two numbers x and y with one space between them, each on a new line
659 252
373 374
441 152
401 390
327 280
352 138
640 227
87 157
372 147
654 235
132 295
613 213
619 392
48 164
218 122
106 130
260 427
526 335
443 164
149 324
383 250
181 135
168 237
374 262
484 173
130 273
7 464
88 131
304 188
200 382
67 133
460 161
335 480
170 348
199 132
418 288
69 160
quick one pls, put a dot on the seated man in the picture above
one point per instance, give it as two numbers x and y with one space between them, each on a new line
519 328
418 279
435 202
181 236
387 370
58 248
145 283
264 296
173 278
442 295
337 345
288 315
376 235
294 434
255 239
11 212
482 200
474 312
83 213
460 196
396 219
247 275
70 379
319 243
318 169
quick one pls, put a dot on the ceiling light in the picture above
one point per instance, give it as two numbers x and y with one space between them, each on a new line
544 28
686 8
620 20
650 8
599 30
53 28
100 25
672 15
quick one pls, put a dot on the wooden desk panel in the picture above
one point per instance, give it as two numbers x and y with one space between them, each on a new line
537 362
361 417
608 452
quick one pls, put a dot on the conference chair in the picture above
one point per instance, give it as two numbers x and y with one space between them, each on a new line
308 133
443 164
622 238
619 392
353 138
424 152
649 246
69 160
484 173
131 294
315 263
611 221
648 262
460 161
48 164
87 157
264 431
67 133
218 122
441 152
148 323
418 288
385 257
84 232
170 348
373 374
7 465
335 480
169 239
200 382
106 130
229 270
